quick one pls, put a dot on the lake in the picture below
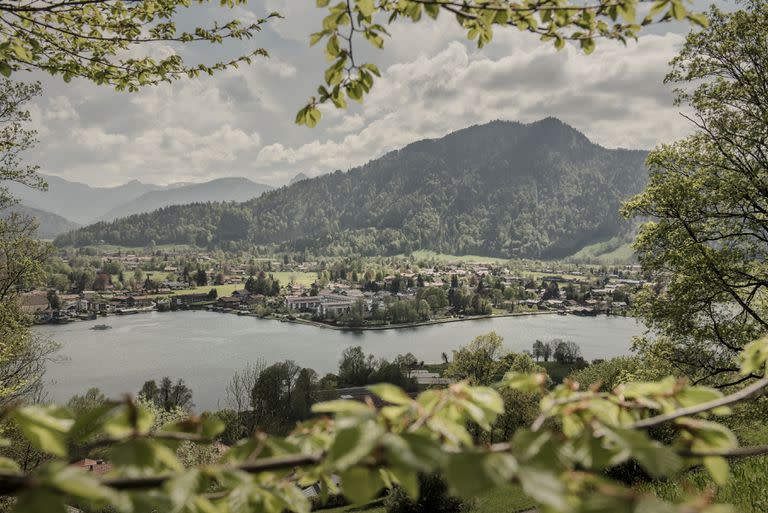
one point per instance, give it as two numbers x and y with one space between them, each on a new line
205 348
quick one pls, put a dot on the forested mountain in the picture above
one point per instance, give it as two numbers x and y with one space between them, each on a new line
49 225
221 189
539 190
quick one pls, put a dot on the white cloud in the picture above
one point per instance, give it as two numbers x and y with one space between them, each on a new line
60 109
241 122
615 96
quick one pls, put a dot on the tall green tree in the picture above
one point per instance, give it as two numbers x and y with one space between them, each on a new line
22 353
477 362
708 198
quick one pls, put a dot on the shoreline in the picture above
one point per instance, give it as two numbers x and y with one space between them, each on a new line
317 324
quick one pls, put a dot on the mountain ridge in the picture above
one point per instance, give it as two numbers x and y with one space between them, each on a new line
85 204
219 189
507 189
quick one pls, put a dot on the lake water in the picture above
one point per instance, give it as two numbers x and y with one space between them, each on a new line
205 348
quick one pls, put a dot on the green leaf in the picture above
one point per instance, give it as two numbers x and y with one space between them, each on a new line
8 465
588 45
409 480
91 422
699 19
471 474
314 38
361 484
46 427
390 393
718 468
754 356
5 69
144 454
413 451
182 487
544 486
366 7
656 459
76 482
372 68
129 419
340 406
352 444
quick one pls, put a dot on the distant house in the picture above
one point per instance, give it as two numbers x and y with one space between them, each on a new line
424 377
228 302
98 467
187 299
132 301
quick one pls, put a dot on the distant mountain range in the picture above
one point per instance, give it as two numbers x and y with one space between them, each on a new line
221 189
49 225
75 203
505 189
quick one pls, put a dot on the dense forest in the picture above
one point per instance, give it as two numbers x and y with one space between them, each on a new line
539 190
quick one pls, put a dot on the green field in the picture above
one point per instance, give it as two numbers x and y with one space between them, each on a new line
508 499
300 278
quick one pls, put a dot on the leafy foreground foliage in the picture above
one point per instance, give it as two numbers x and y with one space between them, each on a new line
541 190
558 461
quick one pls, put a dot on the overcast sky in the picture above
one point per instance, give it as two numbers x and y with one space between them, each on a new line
434 81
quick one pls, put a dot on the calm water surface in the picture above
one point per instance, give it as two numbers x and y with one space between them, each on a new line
205 348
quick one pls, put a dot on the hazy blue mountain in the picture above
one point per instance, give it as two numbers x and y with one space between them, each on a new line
77 201
49 225
538 190
221 189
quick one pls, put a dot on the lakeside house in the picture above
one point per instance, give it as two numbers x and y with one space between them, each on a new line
325 303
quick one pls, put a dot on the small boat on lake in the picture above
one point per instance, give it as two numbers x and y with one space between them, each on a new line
101 327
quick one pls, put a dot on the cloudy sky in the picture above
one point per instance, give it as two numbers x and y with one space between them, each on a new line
240 123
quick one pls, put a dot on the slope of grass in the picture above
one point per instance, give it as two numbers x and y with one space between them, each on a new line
746 489
617 250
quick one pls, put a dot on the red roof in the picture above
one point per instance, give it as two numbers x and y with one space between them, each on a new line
98 467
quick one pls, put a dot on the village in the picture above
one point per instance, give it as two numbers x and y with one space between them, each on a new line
356 294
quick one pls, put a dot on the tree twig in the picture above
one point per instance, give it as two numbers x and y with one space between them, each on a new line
11 484
741 395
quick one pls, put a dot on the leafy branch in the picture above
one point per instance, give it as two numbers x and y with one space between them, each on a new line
560 465
555 21
92 39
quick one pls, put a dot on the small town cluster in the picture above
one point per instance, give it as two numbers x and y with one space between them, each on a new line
374 293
